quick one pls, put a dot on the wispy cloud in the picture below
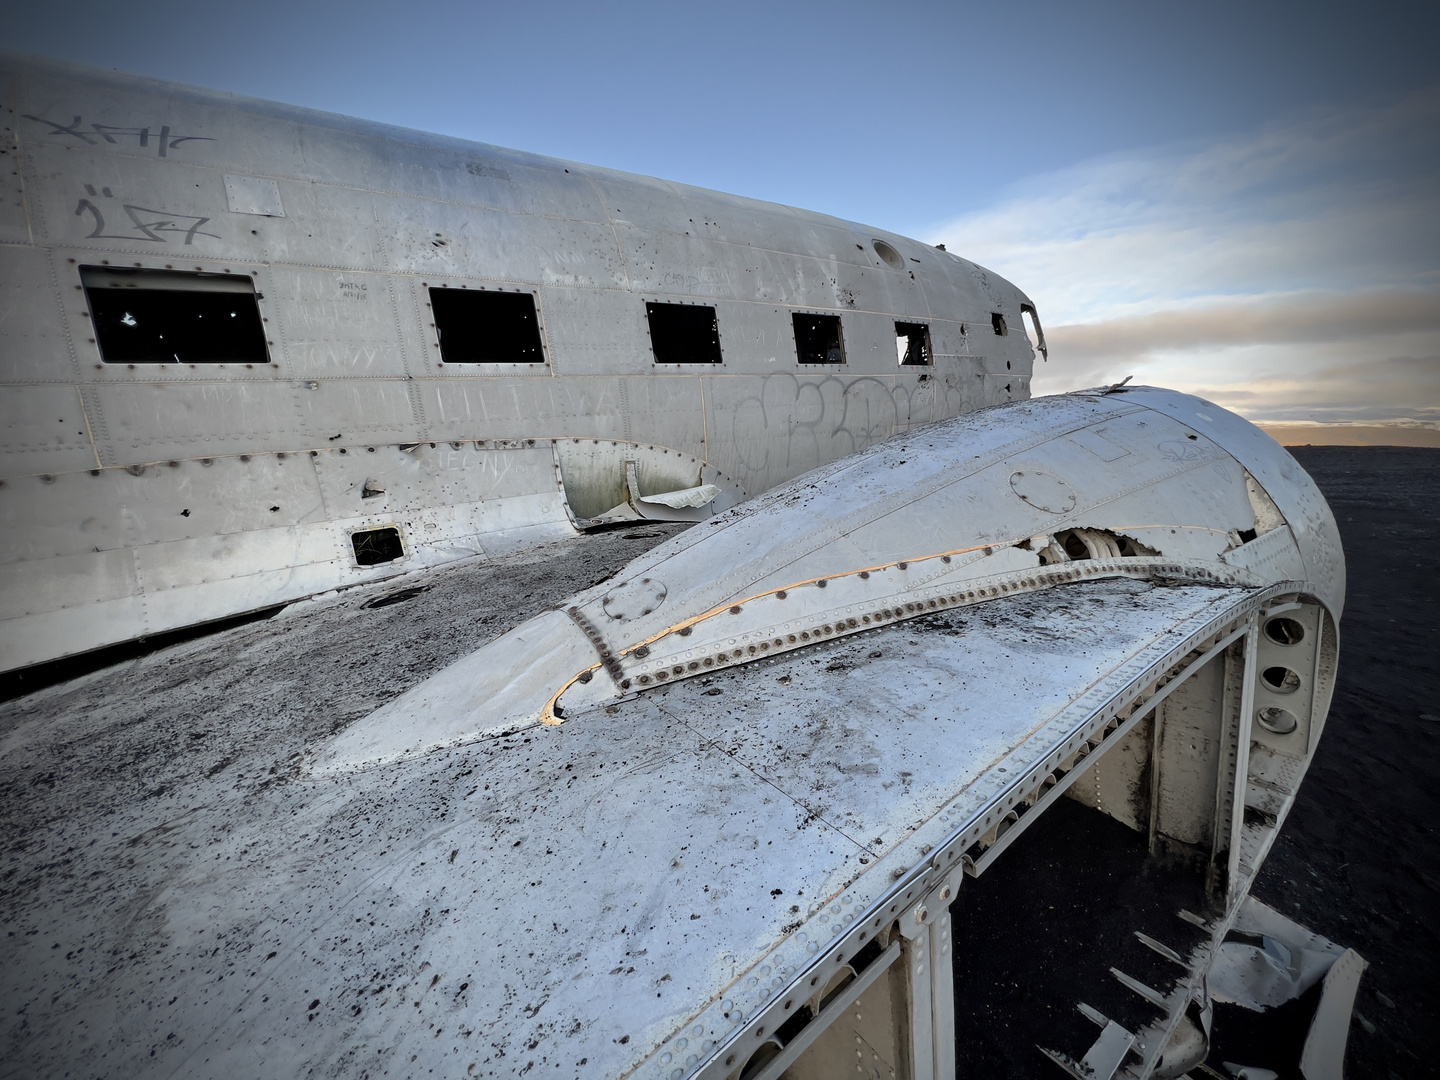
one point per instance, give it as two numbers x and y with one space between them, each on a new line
1292 273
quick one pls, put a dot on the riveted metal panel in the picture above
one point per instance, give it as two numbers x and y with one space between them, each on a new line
153 421
36 345
66 582
595 330
377 410
14 222
44 430
336 324
254 195
90 619
504 408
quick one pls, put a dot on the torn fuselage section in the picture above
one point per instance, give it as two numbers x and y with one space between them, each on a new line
607 482
1071 545
1201 776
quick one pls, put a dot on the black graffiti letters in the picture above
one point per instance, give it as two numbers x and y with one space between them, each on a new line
147 223
163 141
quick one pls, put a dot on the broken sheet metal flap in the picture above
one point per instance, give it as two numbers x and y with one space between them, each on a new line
685 497
1323 1057
1288 961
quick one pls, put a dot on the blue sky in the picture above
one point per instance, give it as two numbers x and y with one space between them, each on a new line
1241 199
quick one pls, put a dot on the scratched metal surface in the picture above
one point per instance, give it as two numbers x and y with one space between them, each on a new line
555 900
344 226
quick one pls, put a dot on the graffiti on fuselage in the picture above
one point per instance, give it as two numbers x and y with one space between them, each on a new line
162 139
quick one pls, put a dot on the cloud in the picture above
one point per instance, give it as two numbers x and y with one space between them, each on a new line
1398 389
1347 378
1288 270
1299 318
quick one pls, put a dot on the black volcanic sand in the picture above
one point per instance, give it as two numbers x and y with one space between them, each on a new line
1357 860
1040 931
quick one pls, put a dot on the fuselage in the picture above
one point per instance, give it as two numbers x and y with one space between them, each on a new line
418 350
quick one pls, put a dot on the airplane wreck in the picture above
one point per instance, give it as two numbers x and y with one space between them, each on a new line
716 815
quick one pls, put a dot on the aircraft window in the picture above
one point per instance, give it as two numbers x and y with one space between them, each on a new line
912 344
818 339
997 323
683 333
484 327
172 317
375 546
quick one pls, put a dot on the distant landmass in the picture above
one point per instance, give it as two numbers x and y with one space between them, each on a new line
1312 434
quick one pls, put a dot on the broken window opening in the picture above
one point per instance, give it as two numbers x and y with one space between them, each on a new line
683 333
818 339
485 327
375 546
997 323
1034 330
912 344
174 317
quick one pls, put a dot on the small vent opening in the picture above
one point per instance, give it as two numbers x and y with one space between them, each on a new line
375 546
818 339
912 344
683 333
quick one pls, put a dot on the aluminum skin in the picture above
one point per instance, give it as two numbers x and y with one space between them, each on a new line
741 869
962 512
143 496
782 636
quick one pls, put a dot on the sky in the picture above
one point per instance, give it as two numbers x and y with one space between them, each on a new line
1241 200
